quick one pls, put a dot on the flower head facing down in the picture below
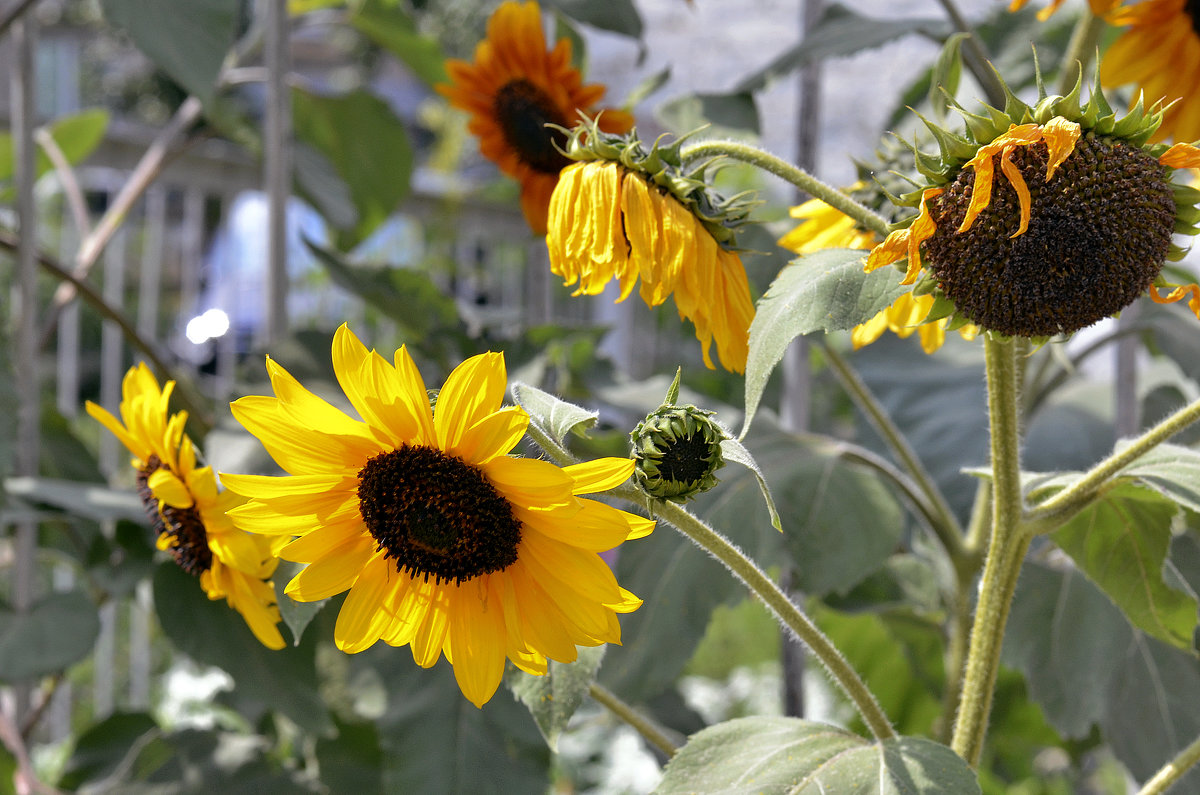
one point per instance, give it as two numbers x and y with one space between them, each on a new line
1045 219
446 542
515 88
625 213
185 508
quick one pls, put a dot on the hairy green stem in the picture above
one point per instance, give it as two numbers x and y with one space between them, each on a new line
1083 490
756 580
1080 50
1173 771
945 525
977 58
1006 550
650 730
789 173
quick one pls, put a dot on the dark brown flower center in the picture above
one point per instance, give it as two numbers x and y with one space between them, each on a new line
185 528
523 110
687 459
436 515
1192 9
1098 233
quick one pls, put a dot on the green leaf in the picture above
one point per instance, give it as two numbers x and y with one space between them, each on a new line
839 32
723 114
101 749
58 630
353 760
619 16
1120 541
735 451
188 41
553 698
1170 470
82 499
787 755
841 521
368 148
77 136
553 416
826 291
946 73
1064 634
212 633
390 26
297 615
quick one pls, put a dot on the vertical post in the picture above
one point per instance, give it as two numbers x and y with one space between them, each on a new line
1128 414
23 111
277 164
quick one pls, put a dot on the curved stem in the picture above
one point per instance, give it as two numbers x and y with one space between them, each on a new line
1080 50
1006 551
759 584
789 173
977 58
1173 771
651 731
945 524
1083 490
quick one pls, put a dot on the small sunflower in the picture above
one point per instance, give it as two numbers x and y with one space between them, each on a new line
515 87
186 509
445 542
623 212
1075 226
824 227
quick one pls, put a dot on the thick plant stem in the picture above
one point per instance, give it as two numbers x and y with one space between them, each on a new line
785 610
1005 553
1080 51
1173 771
945 524
651 731
759 584
789 173
1083 490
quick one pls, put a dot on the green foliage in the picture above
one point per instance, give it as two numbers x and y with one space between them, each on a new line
720 114
777 755
556 418
553 698
826 291
391 27
56 631
365 145
618 16
76 135
188 41
352 761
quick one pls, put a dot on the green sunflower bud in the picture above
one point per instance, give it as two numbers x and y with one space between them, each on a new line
677 450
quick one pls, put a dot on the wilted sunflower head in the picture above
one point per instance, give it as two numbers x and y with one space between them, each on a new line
1041 220
625 211
520 95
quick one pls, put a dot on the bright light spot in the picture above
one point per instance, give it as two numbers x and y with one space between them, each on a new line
208 326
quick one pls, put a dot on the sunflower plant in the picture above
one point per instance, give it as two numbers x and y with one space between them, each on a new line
433 548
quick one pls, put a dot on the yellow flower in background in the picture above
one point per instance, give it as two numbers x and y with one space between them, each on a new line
513 89
445 542
827 227
186 509
1078 223
612 222
1098 7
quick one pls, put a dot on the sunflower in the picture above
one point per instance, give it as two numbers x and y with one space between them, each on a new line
186 509
1098 7
1046 219
445 542
515 87
824 227
623 213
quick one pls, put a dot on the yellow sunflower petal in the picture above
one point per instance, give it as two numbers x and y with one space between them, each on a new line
478 638
599 475
332 574
1060 137
473 391
1018 183
167 487
311 452
361 620
494 435
530 482
1181 156
430 637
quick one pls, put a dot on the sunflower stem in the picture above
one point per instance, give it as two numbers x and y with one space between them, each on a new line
789 173
784 608
944 524
977 58
1173 771
650 730
1006 551
1080 493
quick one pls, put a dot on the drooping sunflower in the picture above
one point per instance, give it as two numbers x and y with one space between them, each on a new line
514 88
824 226
445 542
186 509
1077 224
623 212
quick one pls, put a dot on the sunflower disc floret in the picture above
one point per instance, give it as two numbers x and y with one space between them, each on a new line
678 452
